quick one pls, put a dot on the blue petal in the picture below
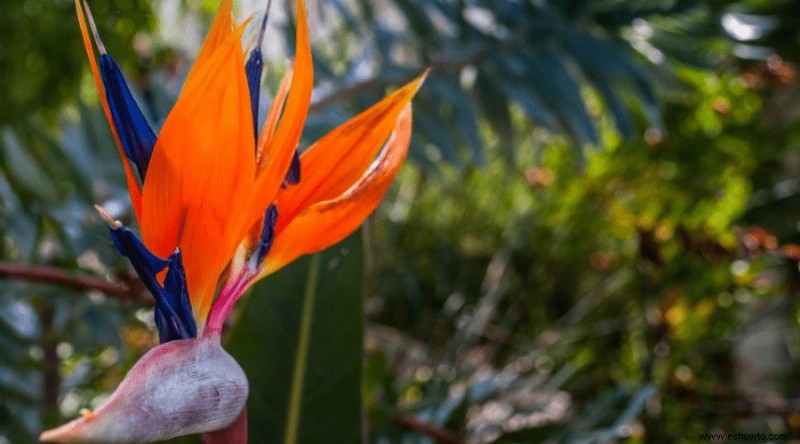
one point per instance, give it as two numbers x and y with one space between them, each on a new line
175 286
168 324
252 70
173 311
164 334
134 132
293 175
176 324
267 235
146 264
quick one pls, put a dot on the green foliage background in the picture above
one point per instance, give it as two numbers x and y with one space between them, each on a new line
595 239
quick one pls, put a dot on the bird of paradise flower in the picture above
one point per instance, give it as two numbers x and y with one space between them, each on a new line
220 205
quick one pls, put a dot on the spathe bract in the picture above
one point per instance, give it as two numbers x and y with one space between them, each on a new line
178 388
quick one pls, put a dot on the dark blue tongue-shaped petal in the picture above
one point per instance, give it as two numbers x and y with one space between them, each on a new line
293 175
266 237
146 264
253 70
137 139
173 311
176 309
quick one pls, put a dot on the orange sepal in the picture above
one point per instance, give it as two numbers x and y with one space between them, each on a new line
268 129
130 178
199 182
337 160
327 222
287 134
221 29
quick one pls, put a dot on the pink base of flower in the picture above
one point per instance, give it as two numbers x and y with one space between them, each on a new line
228 295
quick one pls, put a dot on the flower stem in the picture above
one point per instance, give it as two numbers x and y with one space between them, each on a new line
236 433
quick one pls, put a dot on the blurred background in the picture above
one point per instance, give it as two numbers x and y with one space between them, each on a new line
595 238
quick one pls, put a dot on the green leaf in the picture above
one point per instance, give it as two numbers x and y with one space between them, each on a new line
615 105
27 178
495 110
605 66
560 90
430 124
419 21
58 164
533 107
465 120
300 343
95 128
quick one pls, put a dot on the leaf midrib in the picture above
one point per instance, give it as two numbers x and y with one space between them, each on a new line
301 357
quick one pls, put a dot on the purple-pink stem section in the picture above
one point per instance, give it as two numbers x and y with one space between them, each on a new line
228 296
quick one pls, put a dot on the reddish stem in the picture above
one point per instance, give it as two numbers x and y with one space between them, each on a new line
230 293
57 276
440 434
236 433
